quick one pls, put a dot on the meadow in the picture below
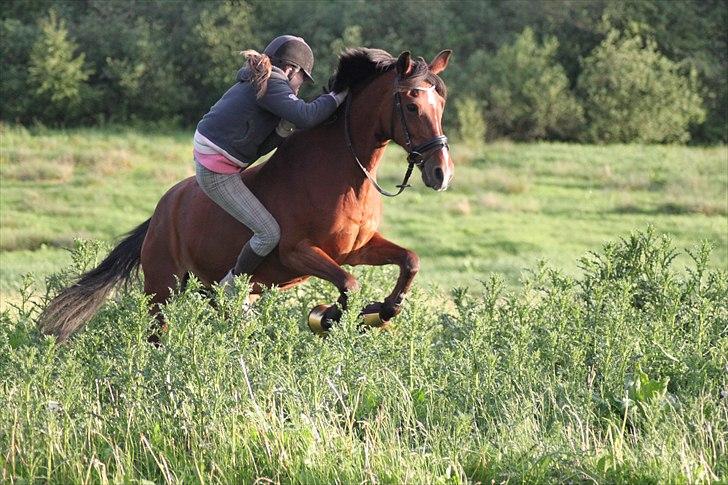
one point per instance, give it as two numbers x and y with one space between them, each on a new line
509 206
551 335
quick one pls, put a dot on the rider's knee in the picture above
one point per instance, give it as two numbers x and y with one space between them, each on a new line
268 239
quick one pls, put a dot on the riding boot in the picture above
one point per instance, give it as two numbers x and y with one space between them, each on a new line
248 261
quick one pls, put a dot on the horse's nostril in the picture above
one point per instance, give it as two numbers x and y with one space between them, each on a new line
439 175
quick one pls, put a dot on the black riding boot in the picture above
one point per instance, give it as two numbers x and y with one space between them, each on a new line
247 263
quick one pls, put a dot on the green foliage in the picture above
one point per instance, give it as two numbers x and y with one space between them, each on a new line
632 93
146 69
527 91
643 390
691 34
17 39
55 74
169 62
503 386
224 32
471 124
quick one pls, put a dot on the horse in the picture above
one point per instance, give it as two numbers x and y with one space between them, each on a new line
320 185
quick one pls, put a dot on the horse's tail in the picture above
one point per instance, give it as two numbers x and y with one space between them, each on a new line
77 303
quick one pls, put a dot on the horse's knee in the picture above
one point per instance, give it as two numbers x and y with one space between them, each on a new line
351 284
411 263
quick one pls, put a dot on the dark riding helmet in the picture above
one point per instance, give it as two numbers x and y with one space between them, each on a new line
291 50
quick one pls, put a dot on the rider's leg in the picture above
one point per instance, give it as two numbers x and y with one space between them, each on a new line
230 193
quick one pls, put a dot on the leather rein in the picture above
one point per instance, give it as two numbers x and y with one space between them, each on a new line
416 155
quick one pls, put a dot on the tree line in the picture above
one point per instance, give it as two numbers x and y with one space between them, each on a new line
600 71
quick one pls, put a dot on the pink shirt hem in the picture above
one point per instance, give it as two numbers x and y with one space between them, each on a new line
216 162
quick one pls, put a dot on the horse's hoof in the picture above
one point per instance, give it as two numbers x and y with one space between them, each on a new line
374 320
321 317
371 316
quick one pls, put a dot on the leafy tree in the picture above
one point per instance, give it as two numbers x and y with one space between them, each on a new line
471 124
56 75
526 89
147 78
160 60
693 34
17 39
225 30
632 93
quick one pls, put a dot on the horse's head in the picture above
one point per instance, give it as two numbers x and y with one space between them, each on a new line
410 112
419 101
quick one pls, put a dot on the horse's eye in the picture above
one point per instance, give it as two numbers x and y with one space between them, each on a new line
412 107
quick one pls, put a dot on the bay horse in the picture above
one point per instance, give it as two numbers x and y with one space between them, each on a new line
319 186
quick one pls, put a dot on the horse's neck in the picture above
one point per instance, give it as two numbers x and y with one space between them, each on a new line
339 167
365 131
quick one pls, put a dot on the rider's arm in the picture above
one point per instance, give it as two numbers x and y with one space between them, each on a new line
280 100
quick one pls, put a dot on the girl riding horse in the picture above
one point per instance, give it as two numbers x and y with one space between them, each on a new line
327 204
252 118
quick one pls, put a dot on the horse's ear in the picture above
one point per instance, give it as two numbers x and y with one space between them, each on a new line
439 63
404 64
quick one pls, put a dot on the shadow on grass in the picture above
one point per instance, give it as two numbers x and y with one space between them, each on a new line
671 208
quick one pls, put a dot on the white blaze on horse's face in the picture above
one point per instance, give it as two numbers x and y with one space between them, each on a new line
431 95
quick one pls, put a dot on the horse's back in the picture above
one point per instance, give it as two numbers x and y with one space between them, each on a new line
203 238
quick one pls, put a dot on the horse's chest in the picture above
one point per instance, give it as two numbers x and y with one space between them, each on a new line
350 232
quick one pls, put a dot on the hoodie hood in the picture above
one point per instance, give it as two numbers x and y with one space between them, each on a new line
244 74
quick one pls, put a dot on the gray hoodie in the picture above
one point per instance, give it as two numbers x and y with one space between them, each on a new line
244 126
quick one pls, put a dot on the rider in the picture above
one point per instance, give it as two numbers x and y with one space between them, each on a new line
252 118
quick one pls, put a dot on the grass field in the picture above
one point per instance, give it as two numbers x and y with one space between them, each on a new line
509 206
613 369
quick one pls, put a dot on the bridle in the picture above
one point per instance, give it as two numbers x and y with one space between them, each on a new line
417 155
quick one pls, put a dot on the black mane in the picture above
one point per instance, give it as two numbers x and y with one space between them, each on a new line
361 64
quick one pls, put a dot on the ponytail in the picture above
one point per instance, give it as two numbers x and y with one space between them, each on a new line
260 68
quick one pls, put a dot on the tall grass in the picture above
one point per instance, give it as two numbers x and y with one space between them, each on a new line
620 375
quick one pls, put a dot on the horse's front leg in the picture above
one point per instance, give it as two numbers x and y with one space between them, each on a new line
309 259
379 251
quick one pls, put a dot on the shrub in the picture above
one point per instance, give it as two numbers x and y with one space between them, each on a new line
471 124
147 69
56 75
618 376
632 93
17 39
527 90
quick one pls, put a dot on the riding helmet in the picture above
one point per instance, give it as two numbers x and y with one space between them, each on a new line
292 50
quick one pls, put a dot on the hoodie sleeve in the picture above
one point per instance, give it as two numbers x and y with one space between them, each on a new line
280 100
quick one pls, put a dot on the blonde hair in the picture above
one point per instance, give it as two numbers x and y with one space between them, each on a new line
260 67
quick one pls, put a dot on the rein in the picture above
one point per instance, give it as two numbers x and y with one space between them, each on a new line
415 155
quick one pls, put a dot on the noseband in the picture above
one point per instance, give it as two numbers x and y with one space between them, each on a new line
417 155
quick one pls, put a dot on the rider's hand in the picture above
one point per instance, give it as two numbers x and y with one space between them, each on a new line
285 128
340 97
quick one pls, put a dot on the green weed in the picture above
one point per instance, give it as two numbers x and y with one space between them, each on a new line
619 375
